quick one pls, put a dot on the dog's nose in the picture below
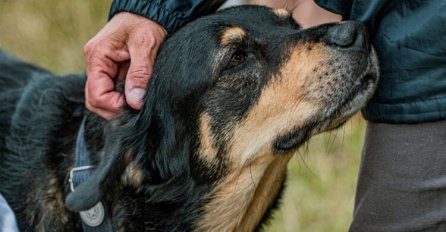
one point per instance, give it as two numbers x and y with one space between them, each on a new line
348 35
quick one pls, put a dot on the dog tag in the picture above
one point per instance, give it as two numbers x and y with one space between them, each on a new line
94 216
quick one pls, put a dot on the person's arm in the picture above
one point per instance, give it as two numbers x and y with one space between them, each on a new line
306 12
171 14
127 46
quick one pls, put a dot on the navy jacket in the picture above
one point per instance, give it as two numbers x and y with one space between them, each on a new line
410 39
171 14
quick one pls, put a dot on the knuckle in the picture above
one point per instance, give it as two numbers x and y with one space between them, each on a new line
141 73
148 38
145 39
93 102
88 48
90 107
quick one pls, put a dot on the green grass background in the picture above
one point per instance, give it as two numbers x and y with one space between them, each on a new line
322 175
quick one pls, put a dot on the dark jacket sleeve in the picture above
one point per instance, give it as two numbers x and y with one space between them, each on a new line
342 8
171 14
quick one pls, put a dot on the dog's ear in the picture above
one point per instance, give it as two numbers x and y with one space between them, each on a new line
150 139
124 137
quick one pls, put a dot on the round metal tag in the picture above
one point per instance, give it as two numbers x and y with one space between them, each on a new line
94 216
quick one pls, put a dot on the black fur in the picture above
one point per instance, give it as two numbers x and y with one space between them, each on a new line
40 116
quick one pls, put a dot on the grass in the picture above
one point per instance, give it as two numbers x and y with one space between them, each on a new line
51 33
322 175
321 183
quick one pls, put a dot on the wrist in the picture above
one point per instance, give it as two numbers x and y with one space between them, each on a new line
152 10
134 24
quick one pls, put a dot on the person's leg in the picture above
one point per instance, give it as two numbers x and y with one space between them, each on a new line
402 180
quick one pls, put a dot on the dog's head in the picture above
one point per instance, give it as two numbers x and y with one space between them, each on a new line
232 96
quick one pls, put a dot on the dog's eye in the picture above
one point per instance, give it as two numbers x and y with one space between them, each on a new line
237 59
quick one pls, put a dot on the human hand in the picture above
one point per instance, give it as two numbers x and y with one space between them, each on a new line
306 12
125 48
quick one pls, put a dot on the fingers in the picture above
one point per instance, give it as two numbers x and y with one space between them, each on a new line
127 37
102 97
102 68
105 112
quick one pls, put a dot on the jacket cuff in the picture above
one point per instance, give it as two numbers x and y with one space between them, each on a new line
170 20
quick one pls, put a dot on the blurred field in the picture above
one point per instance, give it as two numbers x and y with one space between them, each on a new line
322 176
50 33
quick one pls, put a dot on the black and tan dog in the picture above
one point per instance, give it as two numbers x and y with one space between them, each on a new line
232 97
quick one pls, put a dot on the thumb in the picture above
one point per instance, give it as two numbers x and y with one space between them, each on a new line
143 47
138 75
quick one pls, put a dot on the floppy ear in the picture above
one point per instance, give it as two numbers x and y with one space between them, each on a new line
121 144
87 194
149 138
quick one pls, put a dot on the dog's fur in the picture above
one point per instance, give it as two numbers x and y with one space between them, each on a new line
232 96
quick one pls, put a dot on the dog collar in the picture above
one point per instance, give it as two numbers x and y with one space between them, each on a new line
96 219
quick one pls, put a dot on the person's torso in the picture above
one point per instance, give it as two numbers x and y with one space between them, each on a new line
410 39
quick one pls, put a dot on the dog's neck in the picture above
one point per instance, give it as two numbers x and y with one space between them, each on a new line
238 202
242 200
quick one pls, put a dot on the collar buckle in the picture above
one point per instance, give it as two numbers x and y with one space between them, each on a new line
77 169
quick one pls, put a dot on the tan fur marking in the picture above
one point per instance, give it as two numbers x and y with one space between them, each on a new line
232 197
281 107
48 204
266 191
207 149
240 200
133 175
128 156
281 12
232 35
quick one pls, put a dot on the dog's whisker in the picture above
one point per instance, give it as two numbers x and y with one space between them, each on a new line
302 158
253 183
331 141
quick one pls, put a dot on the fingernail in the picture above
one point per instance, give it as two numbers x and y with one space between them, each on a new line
136 95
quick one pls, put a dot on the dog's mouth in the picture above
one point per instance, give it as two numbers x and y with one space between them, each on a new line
292 140
353 103
334 116
357 99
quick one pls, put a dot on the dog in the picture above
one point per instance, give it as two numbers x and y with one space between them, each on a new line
232 97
